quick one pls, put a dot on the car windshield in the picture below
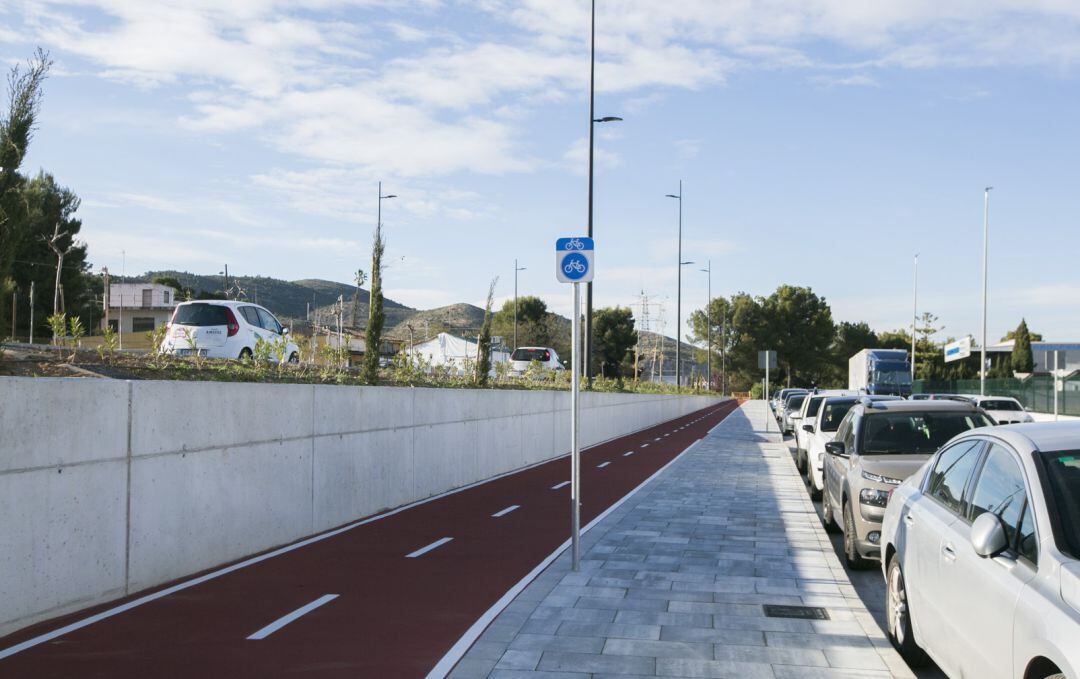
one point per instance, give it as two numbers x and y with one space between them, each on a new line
900 377
833 413
915 431
524 354
200 314
1063 470
795 402
999 404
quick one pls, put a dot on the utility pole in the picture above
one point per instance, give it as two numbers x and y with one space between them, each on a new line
723 356
106 295
31 312
226 281
708 322
14 301
986 240
914 316
678 297
516 269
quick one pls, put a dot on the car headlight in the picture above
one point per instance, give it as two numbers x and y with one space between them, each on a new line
876 478
874 497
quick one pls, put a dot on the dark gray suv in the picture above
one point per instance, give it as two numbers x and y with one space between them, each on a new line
877 446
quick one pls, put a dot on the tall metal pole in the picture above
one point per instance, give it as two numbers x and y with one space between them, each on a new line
708 322
31 312
575 453
592 125
986 241
516 269
378 212
678 302
723 356
914 315
120 312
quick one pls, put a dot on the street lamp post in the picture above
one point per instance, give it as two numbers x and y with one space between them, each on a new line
708 322
592 124
986 240
914 316
516 269
678 297
378 219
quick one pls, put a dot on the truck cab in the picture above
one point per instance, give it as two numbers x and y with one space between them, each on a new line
880 372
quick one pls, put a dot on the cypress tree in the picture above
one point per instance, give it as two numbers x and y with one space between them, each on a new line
483 349
376 317
1022 359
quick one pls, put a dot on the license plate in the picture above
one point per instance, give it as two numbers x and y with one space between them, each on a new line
189 352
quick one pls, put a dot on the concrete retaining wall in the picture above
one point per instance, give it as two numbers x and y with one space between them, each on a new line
110 487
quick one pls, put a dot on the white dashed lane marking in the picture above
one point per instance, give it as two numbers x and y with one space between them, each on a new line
504 512
286 619
424 550
560 485
602 465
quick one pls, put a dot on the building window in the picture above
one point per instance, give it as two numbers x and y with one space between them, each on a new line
165 295
142 324
147 298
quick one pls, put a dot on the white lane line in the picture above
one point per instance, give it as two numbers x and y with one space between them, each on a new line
285 620
628 453
602 465
656 439
666 435
504 512
560 485
424 550
644 445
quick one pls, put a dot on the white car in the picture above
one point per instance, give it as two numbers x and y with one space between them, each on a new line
806 417
524 356
982 555
1003 409
224 329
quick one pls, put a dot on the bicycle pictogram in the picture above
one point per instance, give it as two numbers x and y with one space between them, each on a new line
574 266
574 244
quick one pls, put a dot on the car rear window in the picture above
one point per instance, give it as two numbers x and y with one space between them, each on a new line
1063 472
531 355
1000 404
198 314
915 431
795 402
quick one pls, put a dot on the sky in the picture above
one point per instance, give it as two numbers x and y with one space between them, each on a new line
820 143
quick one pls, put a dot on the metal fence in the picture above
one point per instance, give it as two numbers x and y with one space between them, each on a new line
1036 392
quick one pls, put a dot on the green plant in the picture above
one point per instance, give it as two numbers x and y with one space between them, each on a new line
376 315
76 333
193 346
110 344
58 326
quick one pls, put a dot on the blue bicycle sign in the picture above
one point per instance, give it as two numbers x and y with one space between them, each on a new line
574 259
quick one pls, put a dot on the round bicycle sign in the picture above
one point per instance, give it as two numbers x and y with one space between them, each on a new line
574 260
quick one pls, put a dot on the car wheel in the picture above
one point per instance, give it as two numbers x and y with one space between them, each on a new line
1059 675
245 354
800 461
898 616
827 518
815 492
852 558
294 358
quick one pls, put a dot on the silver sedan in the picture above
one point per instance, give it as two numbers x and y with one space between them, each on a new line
982 555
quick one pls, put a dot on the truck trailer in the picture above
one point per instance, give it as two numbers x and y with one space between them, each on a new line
880 371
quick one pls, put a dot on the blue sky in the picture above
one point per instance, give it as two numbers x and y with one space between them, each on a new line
821 143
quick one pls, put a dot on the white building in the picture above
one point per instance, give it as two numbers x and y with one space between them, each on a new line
448 350
1068 354
139 307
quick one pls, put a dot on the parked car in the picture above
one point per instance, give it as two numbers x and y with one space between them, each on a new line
982 555
822 430
878 445
223 329
524 356
1003 409
806 417
780 398
791 407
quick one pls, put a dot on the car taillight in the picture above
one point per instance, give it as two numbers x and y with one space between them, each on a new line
234 327
547 355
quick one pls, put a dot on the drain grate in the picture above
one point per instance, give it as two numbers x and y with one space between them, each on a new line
799 612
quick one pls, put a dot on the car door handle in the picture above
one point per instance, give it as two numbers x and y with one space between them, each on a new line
948 552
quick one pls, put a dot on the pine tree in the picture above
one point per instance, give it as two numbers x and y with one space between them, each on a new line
1022 361
376 317
483 349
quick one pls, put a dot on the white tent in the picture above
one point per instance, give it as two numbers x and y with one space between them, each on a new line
447 349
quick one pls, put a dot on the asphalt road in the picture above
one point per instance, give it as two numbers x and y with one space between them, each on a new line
381 598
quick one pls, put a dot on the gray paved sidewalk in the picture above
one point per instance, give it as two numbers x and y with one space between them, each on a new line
672 583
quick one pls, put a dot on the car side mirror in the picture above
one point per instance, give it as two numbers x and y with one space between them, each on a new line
988 535
836 448
808 428
284 331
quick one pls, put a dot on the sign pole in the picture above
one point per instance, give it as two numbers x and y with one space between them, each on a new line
575 453
765 394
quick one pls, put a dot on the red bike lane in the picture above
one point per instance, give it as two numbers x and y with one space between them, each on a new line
386 598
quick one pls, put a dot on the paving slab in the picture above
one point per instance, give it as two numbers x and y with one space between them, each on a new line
673 582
